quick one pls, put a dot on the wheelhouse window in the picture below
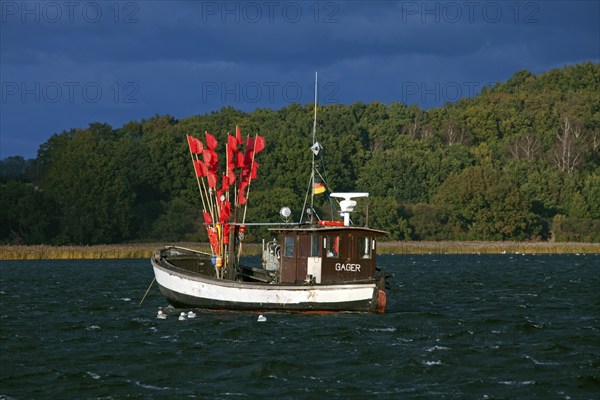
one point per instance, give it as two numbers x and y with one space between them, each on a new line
314 246
365 247
332 246
288 246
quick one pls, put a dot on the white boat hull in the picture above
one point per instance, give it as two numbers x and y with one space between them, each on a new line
184 289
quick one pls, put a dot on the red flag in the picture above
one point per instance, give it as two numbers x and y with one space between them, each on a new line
225 212
254 173
200 168
238 135
247 163
242 192
259 144
231 152
196 146
207 218
239 159
249 145
245 176
211 142
249 152
214 160
212 179
248 174
211 159
231 177
207 155
225 183
232 142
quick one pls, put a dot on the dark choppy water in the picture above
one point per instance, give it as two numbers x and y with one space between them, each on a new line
458 327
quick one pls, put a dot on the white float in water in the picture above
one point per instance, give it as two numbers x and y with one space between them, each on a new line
261 318
191 314
161 315
182 316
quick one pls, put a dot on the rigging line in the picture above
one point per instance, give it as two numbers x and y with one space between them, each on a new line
310 180
147 290
322 160
324 181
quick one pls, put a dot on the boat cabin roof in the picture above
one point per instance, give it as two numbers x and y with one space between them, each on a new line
315 229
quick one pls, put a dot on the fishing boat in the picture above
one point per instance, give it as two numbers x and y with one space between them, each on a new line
312 265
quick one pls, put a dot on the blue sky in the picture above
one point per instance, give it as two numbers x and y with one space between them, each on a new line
65 64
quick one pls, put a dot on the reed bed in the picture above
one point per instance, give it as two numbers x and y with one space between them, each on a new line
454 247
145 250
96 252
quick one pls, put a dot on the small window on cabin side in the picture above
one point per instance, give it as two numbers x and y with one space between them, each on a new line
365 247
314 246
332 246
289 246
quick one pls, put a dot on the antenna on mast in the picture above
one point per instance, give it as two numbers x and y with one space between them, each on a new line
315 121
314 140
315 148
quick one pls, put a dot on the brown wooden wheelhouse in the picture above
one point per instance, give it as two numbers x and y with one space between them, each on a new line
327 255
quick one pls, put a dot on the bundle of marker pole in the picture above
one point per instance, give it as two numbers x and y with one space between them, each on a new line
241 169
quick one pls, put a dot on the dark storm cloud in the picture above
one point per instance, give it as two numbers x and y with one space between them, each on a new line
81 62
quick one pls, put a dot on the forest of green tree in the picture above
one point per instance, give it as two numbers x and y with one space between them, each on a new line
519 161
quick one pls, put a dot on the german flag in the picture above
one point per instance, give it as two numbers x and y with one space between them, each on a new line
318 186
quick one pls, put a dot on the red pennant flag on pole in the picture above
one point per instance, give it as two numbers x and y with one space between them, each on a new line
207 218
232 143
231 153
196 146
239 159
254 172
225 183
231 177
242 192
225 212
249 145
259 144
207 155
211 142
200 168
238 135
211 159
212 179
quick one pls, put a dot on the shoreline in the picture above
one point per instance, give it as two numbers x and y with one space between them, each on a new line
482 247
145 250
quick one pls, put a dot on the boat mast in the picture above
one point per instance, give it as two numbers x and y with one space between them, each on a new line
314 140
315 151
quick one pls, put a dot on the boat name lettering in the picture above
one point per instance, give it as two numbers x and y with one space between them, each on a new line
347 267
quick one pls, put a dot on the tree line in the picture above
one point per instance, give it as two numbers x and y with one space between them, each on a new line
519 161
